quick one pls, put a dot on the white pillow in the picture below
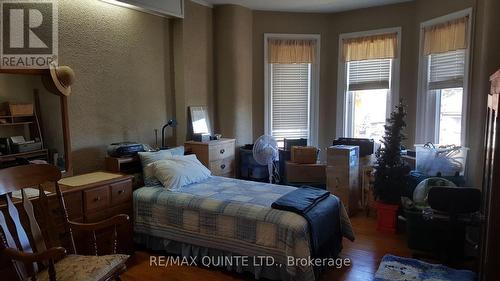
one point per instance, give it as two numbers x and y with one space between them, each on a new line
147 158
178 171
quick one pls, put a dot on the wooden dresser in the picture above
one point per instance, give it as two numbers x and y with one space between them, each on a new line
88 198
216 155
97 196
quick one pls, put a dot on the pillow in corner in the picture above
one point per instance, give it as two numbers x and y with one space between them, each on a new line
148 158
178 171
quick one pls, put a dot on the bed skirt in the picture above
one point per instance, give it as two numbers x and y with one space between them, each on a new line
193 251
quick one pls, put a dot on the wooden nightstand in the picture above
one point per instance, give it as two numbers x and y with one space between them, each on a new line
216 155
97 196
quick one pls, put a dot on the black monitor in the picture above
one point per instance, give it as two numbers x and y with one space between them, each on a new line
366 146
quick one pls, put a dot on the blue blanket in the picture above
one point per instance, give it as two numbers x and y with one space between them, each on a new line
322 212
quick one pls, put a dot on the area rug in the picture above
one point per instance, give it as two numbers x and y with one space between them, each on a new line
393 268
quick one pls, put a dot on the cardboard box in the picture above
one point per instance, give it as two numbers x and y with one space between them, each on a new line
304 154
342 155
343 182
305 173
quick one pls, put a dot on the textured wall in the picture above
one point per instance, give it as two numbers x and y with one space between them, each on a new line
233 57
193 64
120 59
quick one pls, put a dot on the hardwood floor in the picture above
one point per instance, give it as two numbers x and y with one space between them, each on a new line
365 255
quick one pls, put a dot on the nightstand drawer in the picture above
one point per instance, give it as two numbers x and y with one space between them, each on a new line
222 167
221 151
121 192
96 198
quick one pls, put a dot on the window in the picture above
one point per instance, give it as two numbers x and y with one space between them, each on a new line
442 88
446 72
368 91
368 80
291 67
290 99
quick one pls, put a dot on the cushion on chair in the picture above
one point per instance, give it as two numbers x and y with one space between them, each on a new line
85 268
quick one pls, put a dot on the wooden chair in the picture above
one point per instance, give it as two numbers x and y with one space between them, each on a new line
37 258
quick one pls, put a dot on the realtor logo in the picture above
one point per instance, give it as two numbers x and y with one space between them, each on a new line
28 34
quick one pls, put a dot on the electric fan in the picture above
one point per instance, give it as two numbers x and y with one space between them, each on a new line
265 152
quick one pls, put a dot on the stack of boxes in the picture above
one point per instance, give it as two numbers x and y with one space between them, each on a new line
303 167
342 173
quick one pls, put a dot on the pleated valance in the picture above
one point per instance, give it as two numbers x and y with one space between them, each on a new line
383 46
291 51
446 37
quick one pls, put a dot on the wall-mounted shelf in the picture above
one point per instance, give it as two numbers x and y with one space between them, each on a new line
57 80
16 123
27 155
16 120
29 127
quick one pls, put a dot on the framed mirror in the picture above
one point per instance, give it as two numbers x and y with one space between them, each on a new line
200 123
38 130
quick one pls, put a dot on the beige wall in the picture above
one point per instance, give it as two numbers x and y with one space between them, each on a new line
135 70
273 22
330 26
233 53
401 15
193 64
125 88
120 60
408 16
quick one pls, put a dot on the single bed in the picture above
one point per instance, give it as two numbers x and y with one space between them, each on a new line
227 217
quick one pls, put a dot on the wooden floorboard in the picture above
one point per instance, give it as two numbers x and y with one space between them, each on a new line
365 255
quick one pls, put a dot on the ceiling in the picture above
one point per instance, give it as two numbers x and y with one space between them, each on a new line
313 6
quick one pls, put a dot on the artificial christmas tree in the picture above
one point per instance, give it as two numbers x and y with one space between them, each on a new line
391 172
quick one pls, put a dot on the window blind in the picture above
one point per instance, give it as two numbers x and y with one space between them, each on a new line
446 70
290 86
369 74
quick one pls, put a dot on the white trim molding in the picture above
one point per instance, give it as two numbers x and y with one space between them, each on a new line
341 126
425 130
315 77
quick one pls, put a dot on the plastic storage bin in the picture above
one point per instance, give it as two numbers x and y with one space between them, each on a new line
446 161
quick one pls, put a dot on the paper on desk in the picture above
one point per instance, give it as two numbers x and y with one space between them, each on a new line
30 192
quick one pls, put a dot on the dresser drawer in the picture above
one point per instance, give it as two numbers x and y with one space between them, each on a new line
110 212
121 192
221 151
222 167
73 203
96 198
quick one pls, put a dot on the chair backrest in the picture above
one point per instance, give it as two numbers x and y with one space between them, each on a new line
454 200
17 179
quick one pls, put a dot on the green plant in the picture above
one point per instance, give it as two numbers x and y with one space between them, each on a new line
391 171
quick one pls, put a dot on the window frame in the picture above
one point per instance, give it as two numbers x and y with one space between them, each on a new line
427 114
343 118
314 87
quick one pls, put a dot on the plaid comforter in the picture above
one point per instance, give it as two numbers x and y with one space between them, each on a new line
229 215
